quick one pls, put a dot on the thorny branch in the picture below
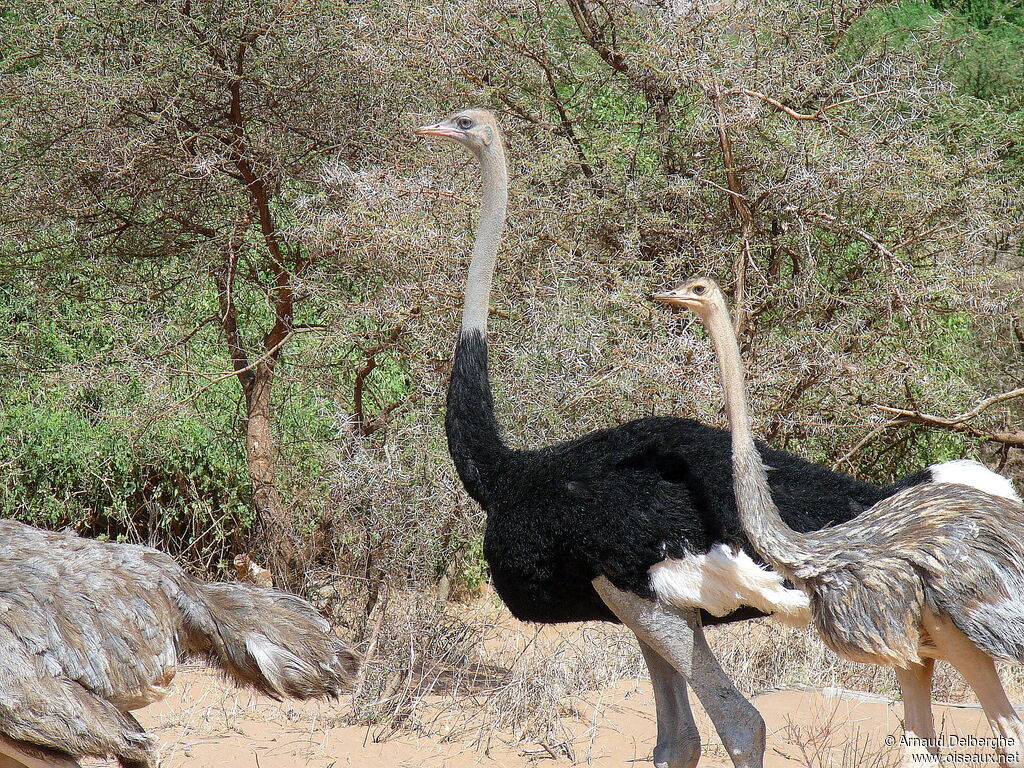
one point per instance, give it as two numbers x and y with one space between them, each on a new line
740 206
603 37
959 423
263 358
365 425
818 116
828 217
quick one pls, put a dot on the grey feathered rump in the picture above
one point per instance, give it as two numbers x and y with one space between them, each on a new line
271 640
39 709
952 549
91 630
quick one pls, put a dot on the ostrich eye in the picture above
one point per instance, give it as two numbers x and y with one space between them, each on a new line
464 123
699 289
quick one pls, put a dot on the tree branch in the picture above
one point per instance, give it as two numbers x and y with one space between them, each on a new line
365 425
959 423
739 204
861 233
818 116
657 90
260 195
224 278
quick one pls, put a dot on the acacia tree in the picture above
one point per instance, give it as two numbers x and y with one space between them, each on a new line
176 142
173 154
819 161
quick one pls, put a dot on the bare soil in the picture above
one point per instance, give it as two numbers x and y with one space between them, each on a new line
206 722
469 686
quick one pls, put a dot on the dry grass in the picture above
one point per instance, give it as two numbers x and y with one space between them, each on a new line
763 655
828 742
471 678
474 674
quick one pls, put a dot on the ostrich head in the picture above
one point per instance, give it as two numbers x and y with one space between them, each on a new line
699 294
475 129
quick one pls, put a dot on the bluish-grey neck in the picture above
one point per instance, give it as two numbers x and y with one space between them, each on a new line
490 225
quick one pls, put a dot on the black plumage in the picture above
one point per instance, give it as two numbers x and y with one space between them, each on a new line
616 501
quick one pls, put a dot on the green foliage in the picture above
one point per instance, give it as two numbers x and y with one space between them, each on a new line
67 463
980 43
470 572
986 14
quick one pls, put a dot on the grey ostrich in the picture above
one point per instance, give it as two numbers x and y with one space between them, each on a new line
935 571
90 631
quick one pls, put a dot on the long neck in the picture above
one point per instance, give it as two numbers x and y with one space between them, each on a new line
771 537
474 437
490 225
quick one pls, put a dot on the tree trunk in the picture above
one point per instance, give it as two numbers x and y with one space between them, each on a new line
274 526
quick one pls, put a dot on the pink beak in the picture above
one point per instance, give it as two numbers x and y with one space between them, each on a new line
437 130
671 298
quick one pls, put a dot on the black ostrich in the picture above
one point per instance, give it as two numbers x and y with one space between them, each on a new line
636 523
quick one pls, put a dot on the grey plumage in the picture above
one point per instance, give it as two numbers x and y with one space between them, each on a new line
950 549
89 631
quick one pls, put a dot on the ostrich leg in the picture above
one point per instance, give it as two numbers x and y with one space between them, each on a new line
980 672
918 723
678 739
676 635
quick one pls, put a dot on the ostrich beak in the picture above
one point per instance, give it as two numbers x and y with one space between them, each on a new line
668 297
439 129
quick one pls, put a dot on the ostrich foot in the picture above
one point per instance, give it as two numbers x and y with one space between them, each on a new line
1009 731
676 756
679 749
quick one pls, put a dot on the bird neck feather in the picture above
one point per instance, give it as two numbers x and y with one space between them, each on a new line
474 437
759 515
490 225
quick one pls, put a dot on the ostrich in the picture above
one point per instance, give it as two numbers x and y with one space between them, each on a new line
635 523
935 571
91 630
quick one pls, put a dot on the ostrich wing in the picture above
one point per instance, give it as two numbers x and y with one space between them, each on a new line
950 548
107 618
870 611
977 579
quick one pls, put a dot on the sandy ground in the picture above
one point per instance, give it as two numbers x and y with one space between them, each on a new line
206 722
